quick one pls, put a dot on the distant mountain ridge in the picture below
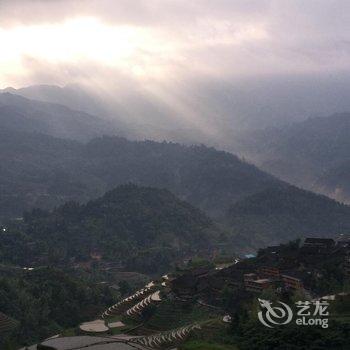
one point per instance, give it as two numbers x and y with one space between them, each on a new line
336 182
70 96
277 215
145 228
41 167
306 154
21 114
42 171
38 170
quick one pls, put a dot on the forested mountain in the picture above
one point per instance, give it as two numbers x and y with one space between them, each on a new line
42 171
145 228
203 176
33 172
278 215
46 301
312 154
335 182
21 114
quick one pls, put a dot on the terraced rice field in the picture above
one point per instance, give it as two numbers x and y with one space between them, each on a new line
126 303
137 309
6 324
165 340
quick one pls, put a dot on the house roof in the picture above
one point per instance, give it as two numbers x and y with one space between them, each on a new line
263 280
315 240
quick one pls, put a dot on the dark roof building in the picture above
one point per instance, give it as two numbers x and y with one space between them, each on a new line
319 242
318 246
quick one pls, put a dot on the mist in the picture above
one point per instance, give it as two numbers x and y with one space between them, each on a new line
193 72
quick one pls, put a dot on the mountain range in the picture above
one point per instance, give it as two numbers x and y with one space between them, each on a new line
280 214
40 170
18 113
146 229
44 167
313 154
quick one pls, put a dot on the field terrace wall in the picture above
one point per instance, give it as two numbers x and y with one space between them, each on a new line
7 325
138 309
128 302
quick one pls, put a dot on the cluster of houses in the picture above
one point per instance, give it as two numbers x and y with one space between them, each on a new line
276 267
279 273
271 277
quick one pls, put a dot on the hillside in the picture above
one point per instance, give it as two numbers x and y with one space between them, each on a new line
205 177
24 115
72 96
278 215
46 301
214 307
335 182
145 229
38 171
42 171
303 153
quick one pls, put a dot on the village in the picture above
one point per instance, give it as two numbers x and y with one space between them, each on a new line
296 266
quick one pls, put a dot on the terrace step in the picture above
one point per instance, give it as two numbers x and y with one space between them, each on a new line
167 338
144 303
6 324
124 304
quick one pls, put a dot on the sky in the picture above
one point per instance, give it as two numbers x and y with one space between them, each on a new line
164 46
163 39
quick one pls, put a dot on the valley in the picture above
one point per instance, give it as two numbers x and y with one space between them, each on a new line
90 221
174 175
214 307
312 154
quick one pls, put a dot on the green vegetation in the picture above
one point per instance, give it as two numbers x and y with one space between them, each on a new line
251 335
313 153
145 229
46 301
200 262
278 215
173 314
51 171
134 228
201 345
247 333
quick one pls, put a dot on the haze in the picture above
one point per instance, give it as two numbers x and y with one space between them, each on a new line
202 65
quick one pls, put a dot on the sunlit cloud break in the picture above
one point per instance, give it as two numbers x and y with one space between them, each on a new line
181 58
75 41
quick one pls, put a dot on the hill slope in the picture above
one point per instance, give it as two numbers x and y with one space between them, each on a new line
203 176
41 171
38 171
145 228
21 114
53 301
303 153
335 182
278 215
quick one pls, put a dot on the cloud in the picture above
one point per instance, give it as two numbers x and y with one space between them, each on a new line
242 37
136 12
165 51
